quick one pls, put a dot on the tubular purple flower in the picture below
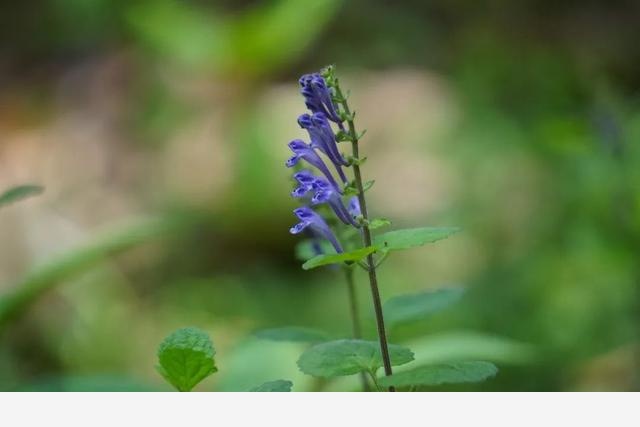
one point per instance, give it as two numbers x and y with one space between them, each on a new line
325 193
354 207
304 151
322 136
317 97
309 218
305 180
323 139
319 120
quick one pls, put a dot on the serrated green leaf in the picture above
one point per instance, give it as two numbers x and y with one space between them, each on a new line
378 223
352 256
408 308
186 358
292 334
18 193
412 237
348 357
274 386
448 373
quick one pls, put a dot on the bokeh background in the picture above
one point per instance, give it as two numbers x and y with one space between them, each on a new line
159 130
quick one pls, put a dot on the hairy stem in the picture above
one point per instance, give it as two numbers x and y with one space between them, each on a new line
355 316
366 238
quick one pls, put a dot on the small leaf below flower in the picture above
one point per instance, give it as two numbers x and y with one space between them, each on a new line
378 223
353 256
412 237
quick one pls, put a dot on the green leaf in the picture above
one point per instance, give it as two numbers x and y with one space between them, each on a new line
21 295
448 373
378 223
348 357
83 383
471 345
408 308
186 358
352 256
292 334
305 251
367 185
274 386
412 237
18 193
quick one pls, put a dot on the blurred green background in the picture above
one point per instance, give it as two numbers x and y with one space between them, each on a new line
159 131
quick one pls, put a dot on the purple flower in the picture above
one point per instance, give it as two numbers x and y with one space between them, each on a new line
304 151
326 193
305 183
317 97
323 139
354 207
308 218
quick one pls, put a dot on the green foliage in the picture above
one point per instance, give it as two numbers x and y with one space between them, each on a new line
412 237
85 383
378 223
43 278
292 334
304 249
352 256
408 308
186 358
274 386
348 357
449 373
18 193
469 345
253 42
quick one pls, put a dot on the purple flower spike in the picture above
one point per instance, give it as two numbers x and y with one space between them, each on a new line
303 151
317 97
326 193
308 218
323 139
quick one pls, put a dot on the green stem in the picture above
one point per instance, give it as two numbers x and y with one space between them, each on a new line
366 237
374 379
355 317
353 304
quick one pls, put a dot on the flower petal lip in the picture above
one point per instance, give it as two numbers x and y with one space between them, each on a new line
323 139
354 206
326 193
305 177
318 97
309 218
304 151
